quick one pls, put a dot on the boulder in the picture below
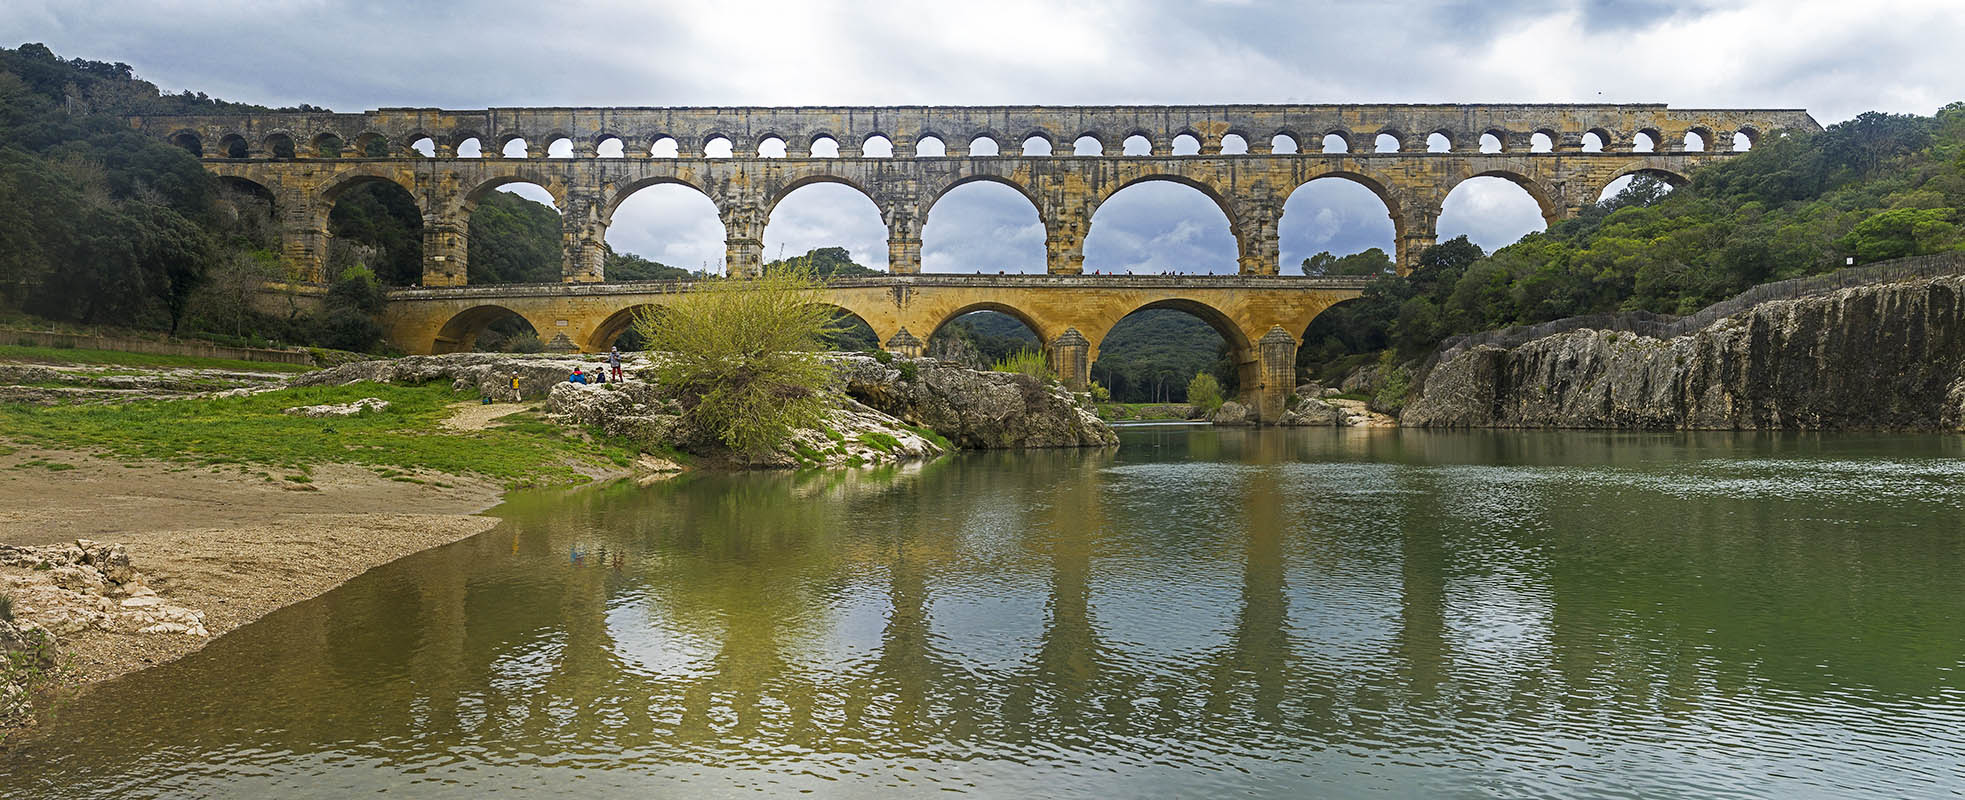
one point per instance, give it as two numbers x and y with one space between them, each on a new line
1309 412
1233 413
487 374
629 409
353 409
974 409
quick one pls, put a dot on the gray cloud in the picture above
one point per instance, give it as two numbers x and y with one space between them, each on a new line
1835 58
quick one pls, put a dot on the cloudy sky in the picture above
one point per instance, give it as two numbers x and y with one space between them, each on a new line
1834 58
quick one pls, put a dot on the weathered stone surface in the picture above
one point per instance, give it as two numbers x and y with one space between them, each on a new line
333 410
627 409
1233 413
1311 412
67 589
1883 357
485 373
974 409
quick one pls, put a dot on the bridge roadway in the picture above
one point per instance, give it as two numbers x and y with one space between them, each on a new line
1262 318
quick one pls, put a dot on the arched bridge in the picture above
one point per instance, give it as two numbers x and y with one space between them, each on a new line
1261 318
305 160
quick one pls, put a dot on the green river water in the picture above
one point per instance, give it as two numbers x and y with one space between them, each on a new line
1200 613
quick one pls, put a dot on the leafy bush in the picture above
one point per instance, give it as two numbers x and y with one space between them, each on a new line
742 355
1024 362
1099 393
1204 391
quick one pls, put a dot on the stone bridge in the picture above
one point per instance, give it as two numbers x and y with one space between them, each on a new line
1261 318
1562 155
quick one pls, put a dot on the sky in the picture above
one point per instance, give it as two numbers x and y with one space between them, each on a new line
1834 58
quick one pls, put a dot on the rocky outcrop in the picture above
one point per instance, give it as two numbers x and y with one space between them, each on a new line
1882 357
65 589
336 410
487 374
1233 413
973 409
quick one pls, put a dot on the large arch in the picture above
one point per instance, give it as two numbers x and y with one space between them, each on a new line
526 245
1029 321
979 338
368 210
1343 213
1174 232
1494 210
460 333
822 211
668 221
605 333
989 212
1241 352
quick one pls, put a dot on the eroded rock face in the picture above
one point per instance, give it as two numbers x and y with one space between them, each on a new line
67 589
628 409
1885 357
974 409
488 374
335 410
1233 413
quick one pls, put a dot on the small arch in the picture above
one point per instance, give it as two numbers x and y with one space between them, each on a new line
1283 143
461 332
1037 144
420 146
1697 140
1542 142
1136 145
984 146
1596 140
514 147
369 144
823 146
771 147
1494 141
189 142
930 146
1647 141
559 147
1745 138
717 145
1337 142
608 145
327 145
467 144
1187 144
233 145
1234 144
1388 142
665 147
877 146
1439 142
278 145
1087 145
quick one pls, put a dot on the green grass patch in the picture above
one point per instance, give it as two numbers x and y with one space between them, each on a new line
42 463
883 442
63 355
932 436
251 430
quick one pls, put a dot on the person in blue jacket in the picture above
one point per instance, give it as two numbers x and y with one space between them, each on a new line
577 376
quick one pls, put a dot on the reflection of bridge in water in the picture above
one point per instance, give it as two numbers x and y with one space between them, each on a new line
1261 319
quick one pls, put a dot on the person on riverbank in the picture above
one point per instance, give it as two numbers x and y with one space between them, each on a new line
577 377
600 375
517 397
614 362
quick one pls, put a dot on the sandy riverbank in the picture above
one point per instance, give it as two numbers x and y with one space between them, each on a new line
235 546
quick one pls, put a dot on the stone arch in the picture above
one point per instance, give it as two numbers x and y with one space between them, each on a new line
279 144
1551 214
1176 146
1214 193
327 144
709 141
189 141
763 144
1452 139
1748 132
1029 320
850 317
1500 140
1604 140
368 144
457 137
621 195
663 145
334 187
1152 144
233 145
975 221
1240 347
935 196
1705 135
556 189
886 143
410 141
1002 143
1294 141
941 143
1377 187
803 181
1547 134
1240 144
1654 141
1040 134
1670 178
604 333
459 333
1097 140
1342 136
1398 140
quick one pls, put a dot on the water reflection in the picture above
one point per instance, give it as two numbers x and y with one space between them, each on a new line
1203 611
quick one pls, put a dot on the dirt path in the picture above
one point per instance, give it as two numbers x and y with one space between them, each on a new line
470 416
235 546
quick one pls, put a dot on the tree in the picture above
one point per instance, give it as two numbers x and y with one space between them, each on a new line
1204 391
740 356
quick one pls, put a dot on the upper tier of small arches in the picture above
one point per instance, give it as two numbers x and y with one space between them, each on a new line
971 132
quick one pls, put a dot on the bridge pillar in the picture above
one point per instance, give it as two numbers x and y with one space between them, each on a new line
446 248
1256 237
304 248
903 240
1276 373
743 238
1064 243
1071 359
584 238
903 343
1418 229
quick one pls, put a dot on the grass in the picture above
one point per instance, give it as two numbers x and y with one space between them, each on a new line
1139 411
51 466
251 430
62 355
933 436
886 443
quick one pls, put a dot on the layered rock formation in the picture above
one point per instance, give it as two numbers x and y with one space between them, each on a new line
974 409
1883 357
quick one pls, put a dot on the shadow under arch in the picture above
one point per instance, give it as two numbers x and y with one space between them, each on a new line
460 333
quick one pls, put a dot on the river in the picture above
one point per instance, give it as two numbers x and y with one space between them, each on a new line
1200 613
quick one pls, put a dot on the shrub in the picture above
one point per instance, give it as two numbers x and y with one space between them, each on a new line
1204 391
1099 393
1024 362
742 355
6 608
